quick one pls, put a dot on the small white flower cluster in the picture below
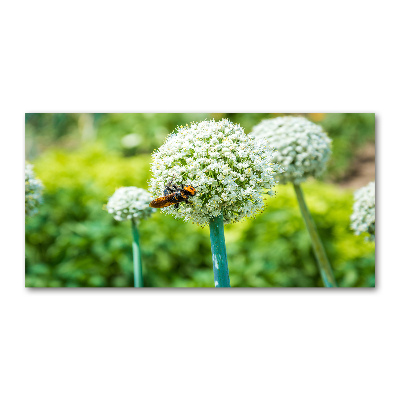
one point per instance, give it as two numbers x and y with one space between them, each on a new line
33 191
303 148
130 203
363 217
228 169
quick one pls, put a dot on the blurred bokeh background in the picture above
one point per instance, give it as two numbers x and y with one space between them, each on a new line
82 158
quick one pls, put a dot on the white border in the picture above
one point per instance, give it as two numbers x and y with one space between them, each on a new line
195 344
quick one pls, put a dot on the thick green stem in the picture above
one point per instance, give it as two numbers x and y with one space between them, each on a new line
137 259
323 262
218 250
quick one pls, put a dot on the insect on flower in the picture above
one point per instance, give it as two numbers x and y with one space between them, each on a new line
174 194
228 168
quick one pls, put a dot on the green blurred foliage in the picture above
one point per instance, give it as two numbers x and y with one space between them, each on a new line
350 133
132 134
73 242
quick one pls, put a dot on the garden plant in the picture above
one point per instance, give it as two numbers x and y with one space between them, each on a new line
363 217
303 149
71 242
132 203
230 172
33 191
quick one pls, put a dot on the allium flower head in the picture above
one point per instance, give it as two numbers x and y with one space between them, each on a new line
33 191
130 203
303 148
227 167
363 217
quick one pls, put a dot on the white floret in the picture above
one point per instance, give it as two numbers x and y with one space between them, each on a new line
130 203
363 217
228 168
303 148
33 191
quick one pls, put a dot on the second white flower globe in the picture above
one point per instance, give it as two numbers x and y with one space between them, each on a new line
130 203
303 148
228 168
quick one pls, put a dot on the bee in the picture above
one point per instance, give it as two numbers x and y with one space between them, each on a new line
174 194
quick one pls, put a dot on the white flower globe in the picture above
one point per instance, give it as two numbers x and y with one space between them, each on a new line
229 170
363 217
303 148
130 203
33 191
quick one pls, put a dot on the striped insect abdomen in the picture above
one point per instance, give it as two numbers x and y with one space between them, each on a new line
164 201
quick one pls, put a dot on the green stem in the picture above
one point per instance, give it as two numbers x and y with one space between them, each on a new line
218 250
137 259
323 262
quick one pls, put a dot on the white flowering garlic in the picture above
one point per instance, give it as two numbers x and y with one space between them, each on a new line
303 148
130 203
228 168
363 217
33 191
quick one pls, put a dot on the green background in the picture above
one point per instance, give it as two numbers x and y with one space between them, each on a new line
81 160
